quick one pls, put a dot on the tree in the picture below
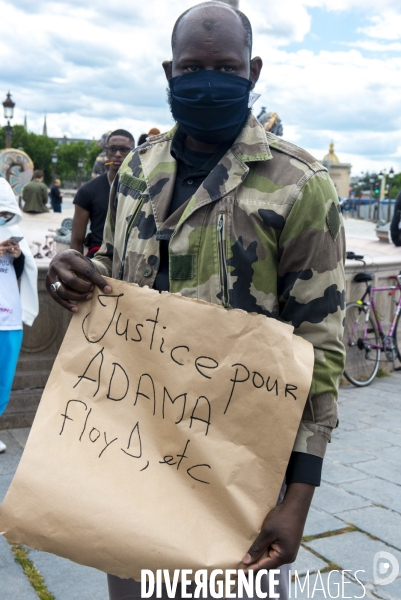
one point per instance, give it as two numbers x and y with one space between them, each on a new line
40 149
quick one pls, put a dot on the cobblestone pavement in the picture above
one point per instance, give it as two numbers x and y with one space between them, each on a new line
356 512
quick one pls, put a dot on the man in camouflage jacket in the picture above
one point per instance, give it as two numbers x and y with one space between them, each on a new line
262 233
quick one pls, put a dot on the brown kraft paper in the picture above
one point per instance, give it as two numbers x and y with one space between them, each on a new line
162 437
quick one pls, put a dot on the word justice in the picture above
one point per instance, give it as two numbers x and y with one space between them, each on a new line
152 334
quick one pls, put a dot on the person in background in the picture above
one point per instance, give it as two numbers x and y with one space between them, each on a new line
92 199
56 197
17 306
98 165
35 194
144 136
395 226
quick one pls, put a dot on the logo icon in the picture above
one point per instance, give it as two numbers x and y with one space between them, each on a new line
385 568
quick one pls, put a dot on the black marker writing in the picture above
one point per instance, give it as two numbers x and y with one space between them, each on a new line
108 297
166 394
97 436
138 393
138 439
196 418
107 444
122 372
138 332
207 363
65 415
155 321
173 351
236 380
289 388
85 376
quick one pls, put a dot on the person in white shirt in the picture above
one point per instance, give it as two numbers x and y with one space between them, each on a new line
18 304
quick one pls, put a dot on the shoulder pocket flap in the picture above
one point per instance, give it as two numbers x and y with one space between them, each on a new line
133 182
333 221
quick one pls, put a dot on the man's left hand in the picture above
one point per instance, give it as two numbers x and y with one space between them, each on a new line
280 537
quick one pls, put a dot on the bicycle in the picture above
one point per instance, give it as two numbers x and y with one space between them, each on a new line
364 337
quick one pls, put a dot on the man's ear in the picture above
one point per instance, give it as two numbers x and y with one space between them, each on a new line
168 68
256 67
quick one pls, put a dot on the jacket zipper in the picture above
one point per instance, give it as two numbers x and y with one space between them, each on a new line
130 227
221 230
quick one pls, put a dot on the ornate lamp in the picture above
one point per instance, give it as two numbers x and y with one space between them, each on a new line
8 106
54 164
371 182
390 176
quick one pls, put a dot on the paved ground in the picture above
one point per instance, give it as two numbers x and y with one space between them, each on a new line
355 513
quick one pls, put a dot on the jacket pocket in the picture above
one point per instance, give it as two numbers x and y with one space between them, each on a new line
131 225
222 248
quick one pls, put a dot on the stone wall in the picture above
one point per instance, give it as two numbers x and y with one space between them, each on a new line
39 348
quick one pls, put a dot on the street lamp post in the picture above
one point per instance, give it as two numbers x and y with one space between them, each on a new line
390 176
371 181
361 183
80 165
382 179
8 106
54 165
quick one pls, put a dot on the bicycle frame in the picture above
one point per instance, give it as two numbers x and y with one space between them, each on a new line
371 303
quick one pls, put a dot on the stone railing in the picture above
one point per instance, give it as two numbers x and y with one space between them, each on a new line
42 341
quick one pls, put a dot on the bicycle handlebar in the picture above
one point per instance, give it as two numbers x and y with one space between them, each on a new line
353 256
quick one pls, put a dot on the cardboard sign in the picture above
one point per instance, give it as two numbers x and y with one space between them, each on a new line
163 434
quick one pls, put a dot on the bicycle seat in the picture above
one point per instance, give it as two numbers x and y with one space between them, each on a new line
359 277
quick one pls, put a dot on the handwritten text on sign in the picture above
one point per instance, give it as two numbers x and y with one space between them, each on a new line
162 437
185 407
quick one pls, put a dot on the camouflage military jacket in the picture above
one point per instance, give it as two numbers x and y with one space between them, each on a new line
262 233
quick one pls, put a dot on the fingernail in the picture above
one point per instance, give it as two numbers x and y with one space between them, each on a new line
107 289
89 296
247 559
74 309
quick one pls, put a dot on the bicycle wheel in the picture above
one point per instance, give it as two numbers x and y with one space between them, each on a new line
397 336
362 362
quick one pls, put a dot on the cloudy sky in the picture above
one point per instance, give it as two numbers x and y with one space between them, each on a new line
332 69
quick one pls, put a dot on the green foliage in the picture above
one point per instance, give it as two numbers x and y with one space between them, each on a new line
67 159
35 578
40 149
396 187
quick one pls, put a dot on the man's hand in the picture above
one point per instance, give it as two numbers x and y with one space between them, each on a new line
77 277
282 530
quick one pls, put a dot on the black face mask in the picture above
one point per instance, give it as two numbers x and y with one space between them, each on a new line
210 106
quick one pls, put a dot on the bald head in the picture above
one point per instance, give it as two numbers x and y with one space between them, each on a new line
209 15
213 36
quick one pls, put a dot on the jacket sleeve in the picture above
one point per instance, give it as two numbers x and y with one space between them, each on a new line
103 259
312 299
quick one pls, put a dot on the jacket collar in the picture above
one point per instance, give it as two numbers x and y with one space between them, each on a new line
160 167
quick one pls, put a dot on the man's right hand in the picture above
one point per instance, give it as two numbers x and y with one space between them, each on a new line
77 277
